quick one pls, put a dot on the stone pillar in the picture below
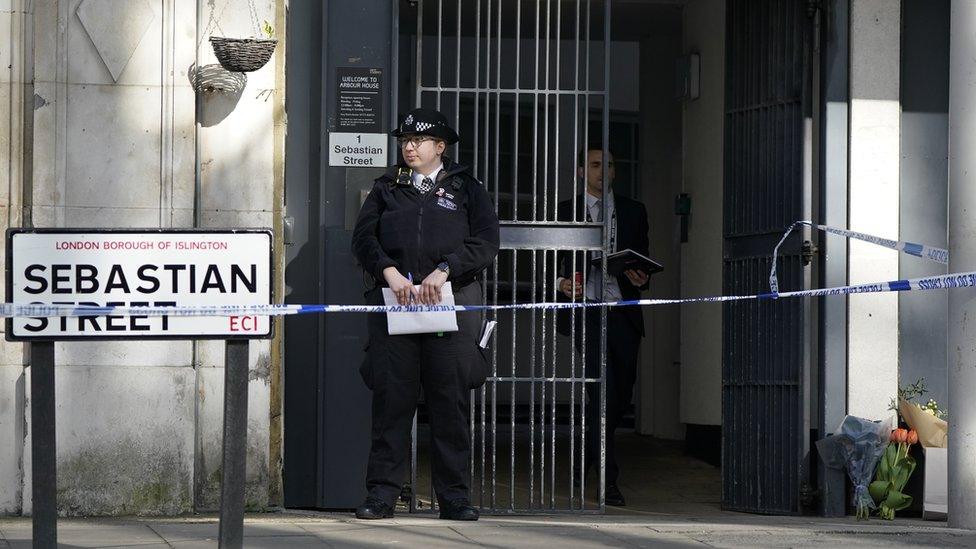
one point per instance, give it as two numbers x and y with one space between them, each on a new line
875 117
15 87
962 254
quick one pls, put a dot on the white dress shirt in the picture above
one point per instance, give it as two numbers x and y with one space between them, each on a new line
611 292
418 177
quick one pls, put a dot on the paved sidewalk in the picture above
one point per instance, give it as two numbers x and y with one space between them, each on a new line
301 529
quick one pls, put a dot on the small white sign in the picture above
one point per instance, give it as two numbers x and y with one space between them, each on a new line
139 268
358 150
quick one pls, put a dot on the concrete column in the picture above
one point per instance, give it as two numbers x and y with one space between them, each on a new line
659 370
16 62
875 125
701 256
962 250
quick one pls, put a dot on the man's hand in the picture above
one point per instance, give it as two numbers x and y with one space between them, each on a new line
566 287
637 278
402 288
430 289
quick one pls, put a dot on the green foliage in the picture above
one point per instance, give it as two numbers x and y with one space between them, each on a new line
909 393
916 390
894 470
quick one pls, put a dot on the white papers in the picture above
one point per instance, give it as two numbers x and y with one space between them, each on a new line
421 322
486 336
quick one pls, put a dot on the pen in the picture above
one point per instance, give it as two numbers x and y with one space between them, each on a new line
410 279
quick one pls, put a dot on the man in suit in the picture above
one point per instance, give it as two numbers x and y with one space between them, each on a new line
625 325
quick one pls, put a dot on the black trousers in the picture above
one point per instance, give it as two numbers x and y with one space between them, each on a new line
396 369
623 343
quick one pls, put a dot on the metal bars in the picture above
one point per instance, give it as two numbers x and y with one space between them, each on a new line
523 97
764 403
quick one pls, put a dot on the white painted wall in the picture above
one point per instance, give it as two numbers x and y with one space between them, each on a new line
701 256
138 423
875 120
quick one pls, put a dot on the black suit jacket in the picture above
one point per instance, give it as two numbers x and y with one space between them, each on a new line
632 231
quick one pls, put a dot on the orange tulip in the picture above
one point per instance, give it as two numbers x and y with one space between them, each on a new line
912 437
899 436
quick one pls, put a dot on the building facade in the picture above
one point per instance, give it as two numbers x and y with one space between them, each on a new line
752 115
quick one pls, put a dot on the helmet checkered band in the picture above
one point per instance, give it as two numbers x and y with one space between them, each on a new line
424 126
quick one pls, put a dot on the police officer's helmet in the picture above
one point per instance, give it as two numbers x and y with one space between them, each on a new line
426 122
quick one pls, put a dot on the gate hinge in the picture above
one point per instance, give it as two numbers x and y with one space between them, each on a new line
807 249
809 497
813 6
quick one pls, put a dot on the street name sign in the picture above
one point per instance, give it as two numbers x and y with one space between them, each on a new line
130 268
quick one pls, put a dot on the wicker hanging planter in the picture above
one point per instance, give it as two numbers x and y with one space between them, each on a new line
243 54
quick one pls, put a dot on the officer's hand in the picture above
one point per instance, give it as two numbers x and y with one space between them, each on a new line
566 287
430 288
637 278
402 288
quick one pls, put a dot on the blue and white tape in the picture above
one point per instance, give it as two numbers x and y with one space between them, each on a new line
955 280
939 255
932 253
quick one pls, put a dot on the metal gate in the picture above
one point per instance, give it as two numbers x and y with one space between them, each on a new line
525 82
766 352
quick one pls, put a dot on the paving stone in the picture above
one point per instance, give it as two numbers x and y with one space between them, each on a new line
92 533
299 529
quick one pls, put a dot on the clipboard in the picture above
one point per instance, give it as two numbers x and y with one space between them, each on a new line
618 262
421 322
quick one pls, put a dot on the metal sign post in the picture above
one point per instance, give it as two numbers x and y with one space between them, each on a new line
231 532
121 267
44 516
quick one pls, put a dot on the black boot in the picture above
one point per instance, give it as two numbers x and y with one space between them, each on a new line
613 497
459 509
373 508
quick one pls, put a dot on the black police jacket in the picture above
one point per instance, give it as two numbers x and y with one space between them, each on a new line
454 222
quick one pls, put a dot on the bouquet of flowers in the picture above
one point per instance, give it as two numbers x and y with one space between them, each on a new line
929 420
856 446
893 472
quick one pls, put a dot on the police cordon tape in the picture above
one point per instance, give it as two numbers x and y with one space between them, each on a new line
938 282
955 280
924 251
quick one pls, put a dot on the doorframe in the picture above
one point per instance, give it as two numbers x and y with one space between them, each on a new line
834 136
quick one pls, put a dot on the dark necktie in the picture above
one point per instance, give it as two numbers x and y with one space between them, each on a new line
424 185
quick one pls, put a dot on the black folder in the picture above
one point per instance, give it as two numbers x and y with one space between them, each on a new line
618 262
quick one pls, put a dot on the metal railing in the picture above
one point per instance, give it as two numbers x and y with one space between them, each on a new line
517 78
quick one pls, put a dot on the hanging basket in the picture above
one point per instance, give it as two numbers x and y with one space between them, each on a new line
243 54
213 78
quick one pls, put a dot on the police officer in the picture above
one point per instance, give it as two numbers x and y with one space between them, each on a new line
426 221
